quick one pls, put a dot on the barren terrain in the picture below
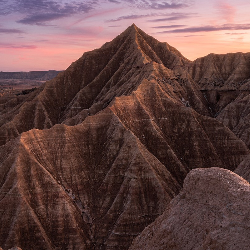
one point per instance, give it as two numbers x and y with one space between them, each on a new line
92 157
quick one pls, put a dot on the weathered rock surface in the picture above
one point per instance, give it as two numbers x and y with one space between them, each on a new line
227 71
95 155
222 78
211 212
236 116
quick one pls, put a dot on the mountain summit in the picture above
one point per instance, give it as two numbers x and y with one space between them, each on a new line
96 154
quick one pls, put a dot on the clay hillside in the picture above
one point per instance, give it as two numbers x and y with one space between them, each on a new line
97 154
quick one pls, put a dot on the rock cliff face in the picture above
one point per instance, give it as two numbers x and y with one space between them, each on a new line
95 155
211 212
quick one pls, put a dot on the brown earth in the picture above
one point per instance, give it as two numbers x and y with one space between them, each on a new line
95 155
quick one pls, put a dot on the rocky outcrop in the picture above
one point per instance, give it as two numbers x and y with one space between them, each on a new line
211 212
92 185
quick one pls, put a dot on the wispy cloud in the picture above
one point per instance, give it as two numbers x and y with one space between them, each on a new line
51 10
114 26
166 5
236 34
154 4
210 28
16 46
192 36
158 5
41 19
226 11
129 17
174 16
95 14
165 17
169 26
38 12
11 31
52 6
114 1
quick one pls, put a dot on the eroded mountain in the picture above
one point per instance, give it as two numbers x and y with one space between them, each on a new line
95 155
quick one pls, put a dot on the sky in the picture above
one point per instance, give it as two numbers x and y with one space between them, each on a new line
51 34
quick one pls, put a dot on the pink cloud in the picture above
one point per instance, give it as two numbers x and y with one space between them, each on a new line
16 46
226 11
95 14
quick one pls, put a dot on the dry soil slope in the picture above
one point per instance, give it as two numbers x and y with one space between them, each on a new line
211 212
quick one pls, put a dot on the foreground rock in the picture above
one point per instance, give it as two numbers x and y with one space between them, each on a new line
212 212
